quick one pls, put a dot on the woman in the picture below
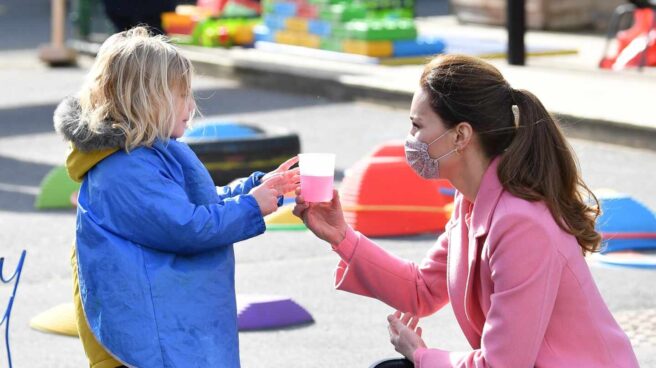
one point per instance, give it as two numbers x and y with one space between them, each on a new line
511 259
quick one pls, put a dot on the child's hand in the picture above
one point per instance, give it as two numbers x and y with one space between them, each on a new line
287 181
290 178
284 167
266 194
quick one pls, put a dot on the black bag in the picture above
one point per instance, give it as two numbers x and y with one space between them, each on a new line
393 363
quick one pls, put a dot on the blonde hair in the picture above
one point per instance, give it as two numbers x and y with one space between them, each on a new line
132 85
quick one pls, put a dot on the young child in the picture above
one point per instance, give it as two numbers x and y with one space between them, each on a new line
154 248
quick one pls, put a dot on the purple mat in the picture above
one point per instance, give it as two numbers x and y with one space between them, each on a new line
262 312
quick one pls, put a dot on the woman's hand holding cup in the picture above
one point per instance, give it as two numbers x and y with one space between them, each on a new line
324 219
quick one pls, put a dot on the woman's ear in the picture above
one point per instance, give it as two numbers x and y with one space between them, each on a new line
464 133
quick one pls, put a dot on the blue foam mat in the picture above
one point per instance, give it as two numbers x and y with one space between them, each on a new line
633 259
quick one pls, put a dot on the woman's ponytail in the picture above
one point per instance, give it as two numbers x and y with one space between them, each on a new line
539 165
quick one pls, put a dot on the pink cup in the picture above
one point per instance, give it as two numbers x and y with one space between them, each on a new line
317 175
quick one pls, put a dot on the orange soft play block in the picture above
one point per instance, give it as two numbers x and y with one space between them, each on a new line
174 23
383 196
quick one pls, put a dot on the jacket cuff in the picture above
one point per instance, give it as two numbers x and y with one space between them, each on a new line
257 177
418 354
428 358
257 220
253 180
346 247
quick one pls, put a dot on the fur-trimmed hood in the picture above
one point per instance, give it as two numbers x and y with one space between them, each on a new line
68 122
88 148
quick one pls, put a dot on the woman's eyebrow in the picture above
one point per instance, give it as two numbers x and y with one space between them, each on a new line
415 119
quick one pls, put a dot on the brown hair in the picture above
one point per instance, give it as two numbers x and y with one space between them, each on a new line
537 163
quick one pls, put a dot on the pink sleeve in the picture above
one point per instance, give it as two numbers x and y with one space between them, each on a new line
526 271
369 270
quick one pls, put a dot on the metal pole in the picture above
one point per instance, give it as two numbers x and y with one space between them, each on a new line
516 25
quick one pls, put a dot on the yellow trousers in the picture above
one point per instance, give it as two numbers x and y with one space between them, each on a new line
96 353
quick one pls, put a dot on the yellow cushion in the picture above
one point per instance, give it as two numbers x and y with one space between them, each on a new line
59 319
369 48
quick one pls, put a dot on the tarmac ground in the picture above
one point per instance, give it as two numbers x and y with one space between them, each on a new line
306 95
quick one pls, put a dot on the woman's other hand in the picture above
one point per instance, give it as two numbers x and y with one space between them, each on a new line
325 219
404 334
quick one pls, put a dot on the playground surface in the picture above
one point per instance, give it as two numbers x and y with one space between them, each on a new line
349 330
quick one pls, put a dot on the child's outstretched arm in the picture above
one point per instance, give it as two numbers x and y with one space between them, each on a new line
245 185
240 186
153 210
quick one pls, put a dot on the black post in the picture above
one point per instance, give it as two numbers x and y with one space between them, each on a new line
516 24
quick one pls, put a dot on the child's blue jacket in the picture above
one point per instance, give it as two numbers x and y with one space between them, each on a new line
155 257
154 247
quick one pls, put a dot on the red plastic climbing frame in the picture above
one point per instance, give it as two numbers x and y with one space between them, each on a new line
635 46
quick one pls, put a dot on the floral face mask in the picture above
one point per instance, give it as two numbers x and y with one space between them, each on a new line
416 153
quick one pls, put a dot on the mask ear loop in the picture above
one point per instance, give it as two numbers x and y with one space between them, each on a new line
436 139
445 155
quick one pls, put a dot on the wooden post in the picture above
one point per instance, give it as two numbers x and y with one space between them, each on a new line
56 53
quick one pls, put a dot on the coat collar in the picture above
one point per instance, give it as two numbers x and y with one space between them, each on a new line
487 198
486 201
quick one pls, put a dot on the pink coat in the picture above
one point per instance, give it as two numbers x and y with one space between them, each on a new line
518 284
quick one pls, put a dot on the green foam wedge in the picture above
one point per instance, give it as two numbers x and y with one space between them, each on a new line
57 190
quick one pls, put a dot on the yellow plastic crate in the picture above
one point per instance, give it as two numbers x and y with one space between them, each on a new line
369 48
244 35
297 25
309 40
286 37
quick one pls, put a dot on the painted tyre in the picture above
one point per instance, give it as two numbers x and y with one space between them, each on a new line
234 150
